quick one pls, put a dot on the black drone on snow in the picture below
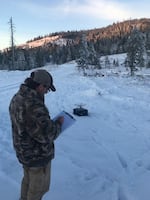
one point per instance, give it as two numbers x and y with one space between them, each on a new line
80 111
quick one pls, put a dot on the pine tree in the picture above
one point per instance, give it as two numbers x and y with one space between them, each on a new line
107 62
88 59
136 50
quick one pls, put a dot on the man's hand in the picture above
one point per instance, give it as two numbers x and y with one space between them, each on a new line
60 120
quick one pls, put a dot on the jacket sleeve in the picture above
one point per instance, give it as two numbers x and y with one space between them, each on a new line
39 124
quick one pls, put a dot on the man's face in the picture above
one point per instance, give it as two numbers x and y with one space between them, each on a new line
42 89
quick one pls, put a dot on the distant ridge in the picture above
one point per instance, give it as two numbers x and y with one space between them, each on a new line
114 30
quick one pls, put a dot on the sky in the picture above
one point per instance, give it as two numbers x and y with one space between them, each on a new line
38 18
105 155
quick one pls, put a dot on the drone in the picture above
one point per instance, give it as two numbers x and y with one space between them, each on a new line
80 111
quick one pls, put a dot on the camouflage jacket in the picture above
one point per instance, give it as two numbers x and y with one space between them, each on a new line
32 129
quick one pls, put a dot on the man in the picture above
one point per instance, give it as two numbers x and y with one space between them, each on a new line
34 133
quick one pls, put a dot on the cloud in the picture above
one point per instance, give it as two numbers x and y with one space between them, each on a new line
106 10
99 9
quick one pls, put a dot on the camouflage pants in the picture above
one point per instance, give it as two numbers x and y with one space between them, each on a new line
35 183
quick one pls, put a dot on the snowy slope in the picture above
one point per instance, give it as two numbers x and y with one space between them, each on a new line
105 155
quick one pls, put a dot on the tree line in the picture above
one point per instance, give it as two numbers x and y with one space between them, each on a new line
114 39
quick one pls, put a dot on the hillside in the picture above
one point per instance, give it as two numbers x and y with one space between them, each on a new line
39 42
116 30
62 47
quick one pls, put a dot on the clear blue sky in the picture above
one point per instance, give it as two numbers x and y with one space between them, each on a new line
32 18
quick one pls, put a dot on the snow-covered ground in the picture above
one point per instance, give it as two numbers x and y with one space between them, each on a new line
105 155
